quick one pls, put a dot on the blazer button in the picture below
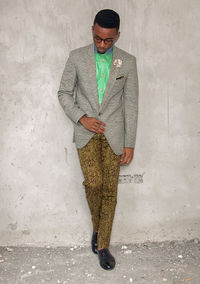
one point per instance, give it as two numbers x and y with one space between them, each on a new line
100 113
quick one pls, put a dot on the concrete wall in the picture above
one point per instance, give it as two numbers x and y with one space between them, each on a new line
42 199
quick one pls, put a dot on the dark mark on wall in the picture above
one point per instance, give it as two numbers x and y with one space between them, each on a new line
21 197
66 155
26 232
12 226
130 178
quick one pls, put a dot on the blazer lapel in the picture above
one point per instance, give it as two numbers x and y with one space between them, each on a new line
92 75
111 79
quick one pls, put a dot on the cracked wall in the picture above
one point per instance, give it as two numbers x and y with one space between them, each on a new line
42 197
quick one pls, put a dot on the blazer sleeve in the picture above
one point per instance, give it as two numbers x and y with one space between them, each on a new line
66 91
130 97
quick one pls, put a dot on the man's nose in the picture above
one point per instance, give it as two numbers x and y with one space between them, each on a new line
102 44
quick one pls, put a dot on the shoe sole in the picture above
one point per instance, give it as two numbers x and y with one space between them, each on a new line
107 268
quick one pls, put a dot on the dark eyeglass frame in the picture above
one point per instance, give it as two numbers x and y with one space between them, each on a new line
106 40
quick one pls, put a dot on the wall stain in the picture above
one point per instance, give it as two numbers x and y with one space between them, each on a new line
12 226
26 232
66 155
21 197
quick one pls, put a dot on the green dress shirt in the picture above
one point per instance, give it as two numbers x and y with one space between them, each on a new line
103 64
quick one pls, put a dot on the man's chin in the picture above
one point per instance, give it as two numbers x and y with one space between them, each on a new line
101 50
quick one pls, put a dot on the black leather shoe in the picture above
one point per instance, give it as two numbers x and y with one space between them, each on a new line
106 259
94 242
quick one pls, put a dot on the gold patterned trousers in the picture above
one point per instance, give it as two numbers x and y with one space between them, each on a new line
100 166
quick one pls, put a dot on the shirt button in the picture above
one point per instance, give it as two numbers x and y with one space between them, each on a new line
102 75
103 60
101 90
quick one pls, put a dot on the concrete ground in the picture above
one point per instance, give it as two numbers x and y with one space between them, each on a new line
170 262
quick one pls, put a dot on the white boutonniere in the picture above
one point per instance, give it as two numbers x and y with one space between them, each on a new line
117 62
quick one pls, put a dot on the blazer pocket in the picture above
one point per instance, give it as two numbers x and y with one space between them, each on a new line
120 77
119 82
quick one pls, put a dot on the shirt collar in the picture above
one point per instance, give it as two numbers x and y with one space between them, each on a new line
107 52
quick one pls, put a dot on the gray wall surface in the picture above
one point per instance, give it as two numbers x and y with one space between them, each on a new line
42 199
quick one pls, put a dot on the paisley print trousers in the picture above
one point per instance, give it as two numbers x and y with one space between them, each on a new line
100 167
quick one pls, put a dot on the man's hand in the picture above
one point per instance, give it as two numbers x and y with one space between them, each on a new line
93 124
127 156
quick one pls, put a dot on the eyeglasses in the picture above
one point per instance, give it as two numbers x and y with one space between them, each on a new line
106 40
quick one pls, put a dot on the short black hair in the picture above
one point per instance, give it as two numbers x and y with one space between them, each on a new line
107 18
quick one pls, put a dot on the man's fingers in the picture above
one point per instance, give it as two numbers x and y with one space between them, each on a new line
128 159
122 157
94 125
99 122
101 129
99 126
97 129
125 158
125 161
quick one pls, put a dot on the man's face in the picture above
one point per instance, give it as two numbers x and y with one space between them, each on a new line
104 38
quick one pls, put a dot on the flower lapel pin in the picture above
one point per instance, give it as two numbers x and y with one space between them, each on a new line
117 62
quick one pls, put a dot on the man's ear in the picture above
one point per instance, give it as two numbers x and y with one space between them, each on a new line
118 35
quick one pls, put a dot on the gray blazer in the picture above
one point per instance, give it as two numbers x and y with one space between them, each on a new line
78 95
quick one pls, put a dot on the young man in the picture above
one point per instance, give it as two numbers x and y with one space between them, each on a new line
99 93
